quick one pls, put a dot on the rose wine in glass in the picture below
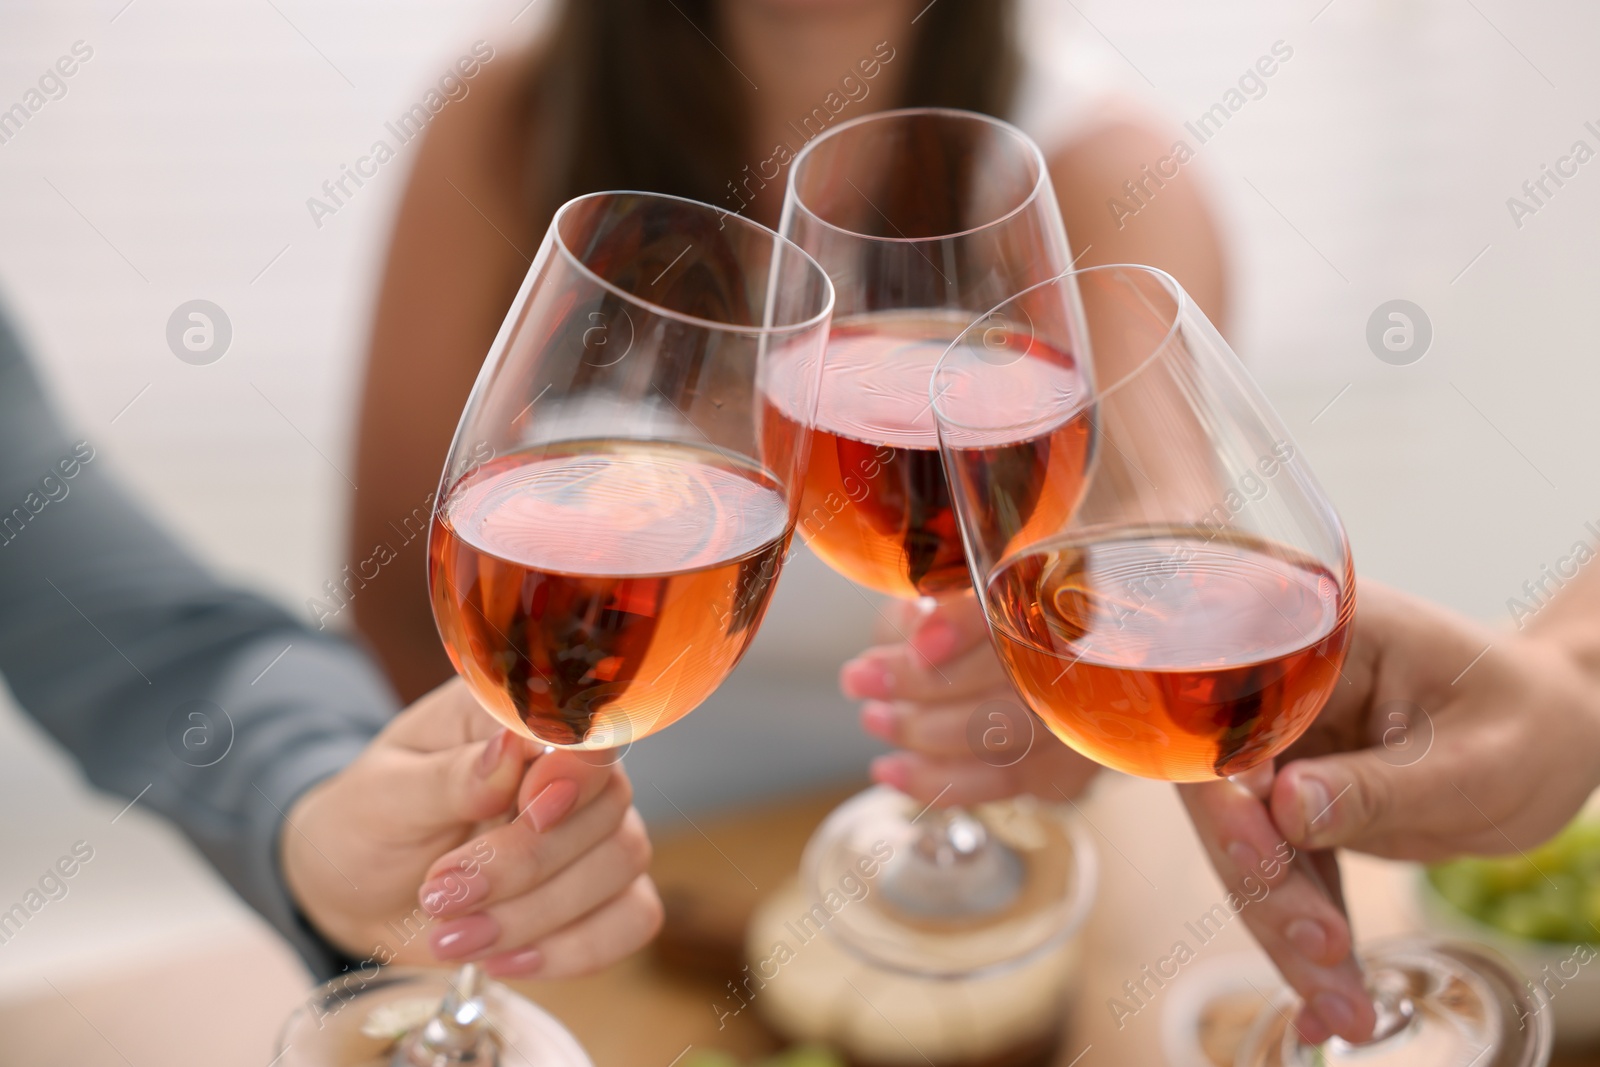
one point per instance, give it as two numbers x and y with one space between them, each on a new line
616 510
1172 653
924 219
876 506
1189 619
611 520
572 586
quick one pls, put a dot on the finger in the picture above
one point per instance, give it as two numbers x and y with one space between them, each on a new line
899 672
418 794
445 717
563 781
1054 776
1346 800
949 628
515 858
618 928
594 877
1282 900
938 730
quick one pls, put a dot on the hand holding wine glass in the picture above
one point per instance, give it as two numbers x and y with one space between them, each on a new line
1393 746
611 519
543 851
935 689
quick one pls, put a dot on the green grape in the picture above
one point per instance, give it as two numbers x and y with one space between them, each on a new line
1522 914
1462 884
1551 894
1591 913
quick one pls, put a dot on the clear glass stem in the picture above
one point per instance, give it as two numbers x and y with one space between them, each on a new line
459 1032
955 868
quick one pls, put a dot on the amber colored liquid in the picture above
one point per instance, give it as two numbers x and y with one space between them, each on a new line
876 506
597 591
1169 654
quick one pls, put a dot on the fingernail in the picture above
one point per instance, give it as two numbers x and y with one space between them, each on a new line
1308 939
1314 805
552 803
1245 858
460 938
892 771
452 892
1257 781
1335 1010
492 753
865 679
936 640
1312 1030
521 963
877 719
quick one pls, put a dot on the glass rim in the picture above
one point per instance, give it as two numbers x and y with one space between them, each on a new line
777 240
1182 304
1036 154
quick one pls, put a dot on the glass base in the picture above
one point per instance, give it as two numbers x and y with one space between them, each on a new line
948 894
1440 1004
358 1019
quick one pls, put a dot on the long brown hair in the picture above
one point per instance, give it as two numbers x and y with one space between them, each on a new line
634 94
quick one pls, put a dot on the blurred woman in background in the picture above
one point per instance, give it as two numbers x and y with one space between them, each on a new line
693 98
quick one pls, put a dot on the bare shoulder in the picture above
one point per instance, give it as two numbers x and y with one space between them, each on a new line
1129 194
477 141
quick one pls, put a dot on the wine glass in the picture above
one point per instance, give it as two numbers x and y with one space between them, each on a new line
618 500
1189 618
923 218
1443 1003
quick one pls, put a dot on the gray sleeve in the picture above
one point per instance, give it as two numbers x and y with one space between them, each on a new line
211 704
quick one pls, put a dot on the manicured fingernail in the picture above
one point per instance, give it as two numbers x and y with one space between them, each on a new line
1314 805
460 938
877 719
1245 858
1308 939
552 803
864 679
892 771
1312 1030
1257 781
1335 1010
518 964
452 892
492 752
936 640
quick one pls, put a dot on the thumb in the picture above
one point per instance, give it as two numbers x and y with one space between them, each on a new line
467 783
1347 800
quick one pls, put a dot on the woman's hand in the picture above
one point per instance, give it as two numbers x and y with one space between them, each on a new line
451 838
1442 738
939 692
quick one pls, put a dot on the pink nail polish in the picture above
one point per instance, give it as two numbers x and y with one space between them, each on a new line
936 640
891 771
492 753
877 719
866 680
460 938
1336 1011
517 964
453 891
552 804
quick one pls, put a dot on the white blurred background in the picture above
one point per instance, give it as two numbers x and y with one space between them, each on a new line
1376 166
